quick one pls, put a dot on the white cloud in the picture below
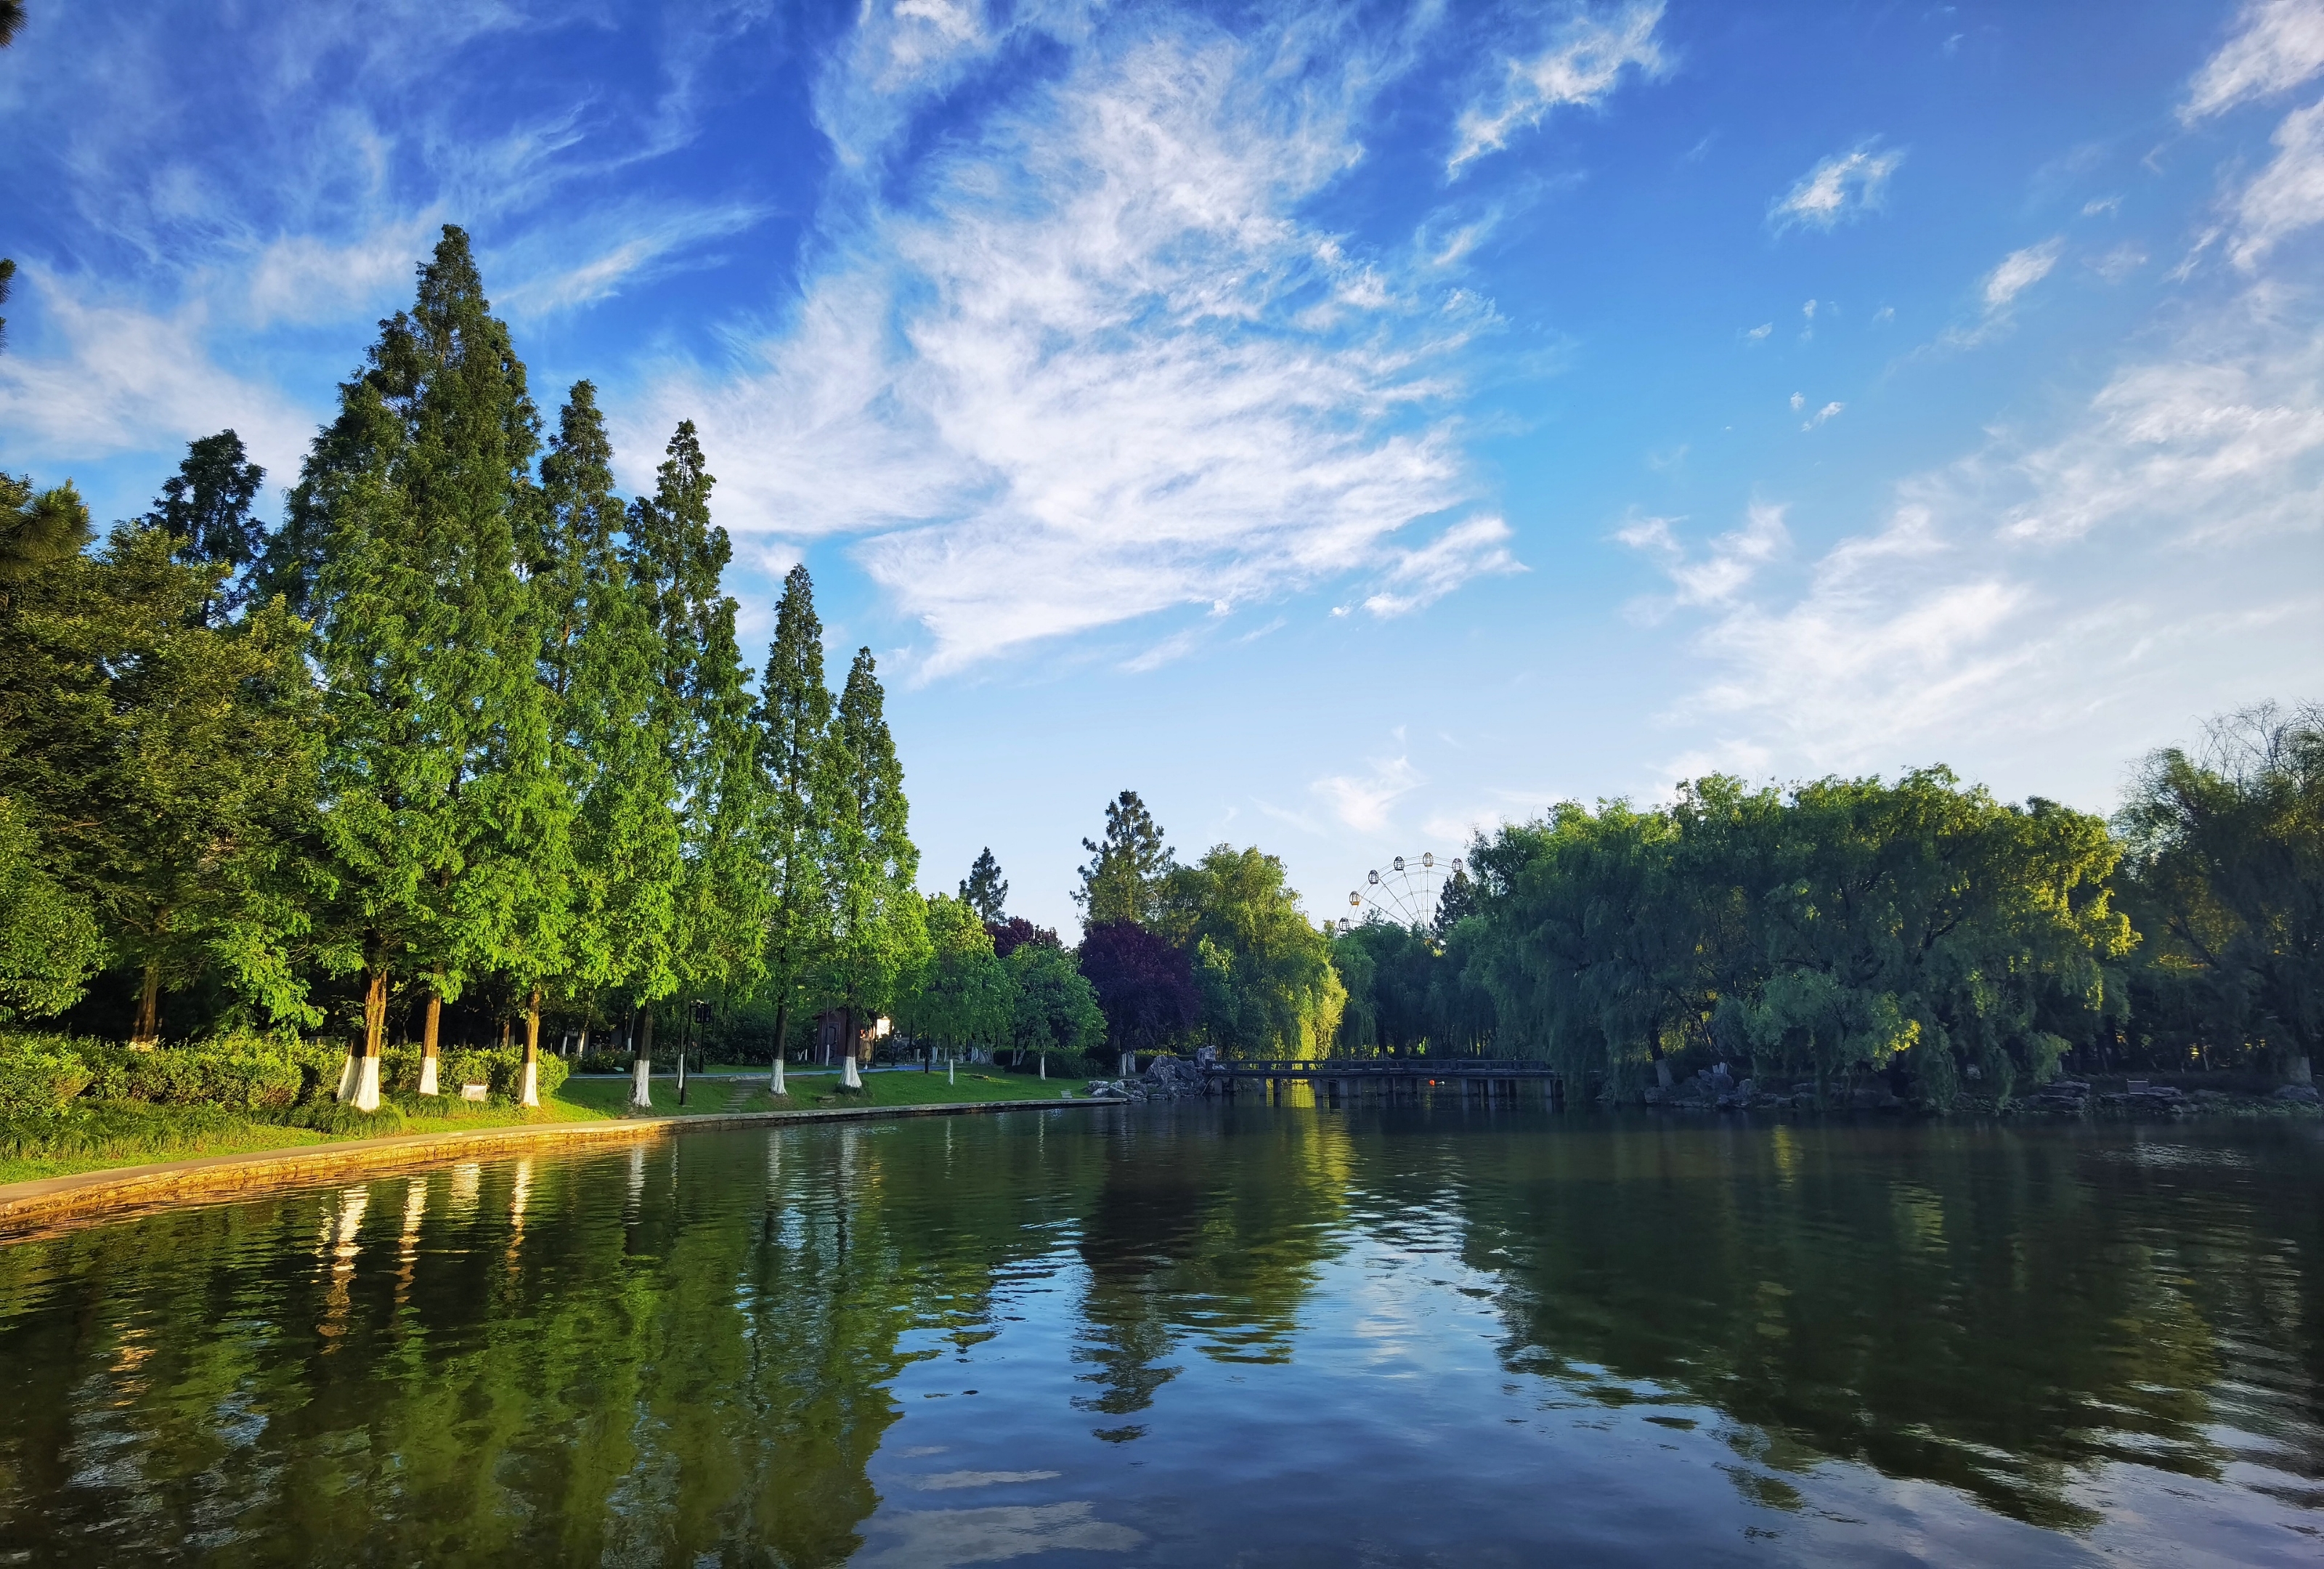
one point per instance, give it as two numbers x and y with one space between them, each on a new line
2279 44
1822 415
1844 185
2224 438
1722 571
1478 548
1580 63
1759 333
1361 801
2288 194
1090 363
653 241
1984 616
2015 273
114 377
2018 272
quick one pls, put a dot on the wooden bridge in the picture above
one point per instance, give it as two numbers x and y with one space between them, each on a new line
1493 1079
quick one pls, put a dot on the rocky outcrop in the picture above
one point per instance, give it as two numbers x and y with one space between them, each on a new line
1166 1078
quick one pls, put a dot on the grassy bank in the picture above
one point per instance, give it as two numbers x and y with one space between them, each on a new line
721 1092
93 1135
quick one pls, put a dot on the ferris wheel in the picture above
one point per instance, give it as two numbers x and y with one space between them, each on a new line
1405 890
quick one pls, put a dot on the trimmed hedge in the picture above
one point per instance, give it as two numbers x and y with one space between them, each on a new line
41 1076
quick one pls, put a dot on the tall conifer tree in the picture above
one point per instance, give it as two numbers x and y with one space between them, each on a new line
879 928
799 782
443 809
606 662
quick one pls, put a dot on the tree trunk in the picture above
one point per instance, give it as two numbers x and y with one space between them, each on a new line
848 1077
430 1047
528 1091
782 1035
148 1005
642 1069
365 1087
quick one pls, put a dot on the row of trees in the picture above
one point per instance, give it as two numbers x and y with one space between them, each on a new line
467 726
1917 928
470 736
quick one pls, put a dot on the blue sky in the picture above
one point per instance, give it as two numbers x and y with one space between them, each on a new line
1347 425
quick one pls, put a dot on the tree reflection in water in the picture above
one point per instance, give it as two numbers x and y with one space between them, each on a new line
704 1347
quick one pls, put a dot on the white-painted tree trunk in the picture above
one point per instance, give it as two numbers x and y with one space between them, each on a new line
1042 1062
948 1072
367 1085
427 1075
529 1094
347 1077
848 1077
640 1089
775 1079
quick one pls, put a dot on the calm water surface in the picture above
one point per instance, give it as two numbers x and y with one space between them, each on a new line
1201 1334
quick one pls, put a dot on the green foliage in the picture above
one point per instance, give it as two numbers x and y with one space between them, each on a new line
879 933
1838 928
2226 877
1265 976
799 784
965 996
50 945
703 716
1125 878
445 813
605 664
984 890
1056 1008
40 1074
205 507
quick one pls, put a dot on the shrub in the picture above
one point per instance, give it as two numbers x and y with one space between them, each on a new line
40 1074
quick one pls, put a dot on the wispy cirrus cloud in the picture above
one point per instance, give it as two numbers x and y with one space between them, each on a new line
1090 360
2277 45
1840 188
1361 801
1578 63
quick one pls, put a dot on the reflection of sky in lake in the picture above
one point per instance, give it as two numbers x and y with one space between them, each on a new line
1204 1335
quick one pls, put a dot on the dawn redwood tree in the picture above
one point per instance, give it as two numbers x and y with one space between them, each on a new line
604 663
1123 878
801 783
444 809
205 507
1145 986
879 931
984 890
722 902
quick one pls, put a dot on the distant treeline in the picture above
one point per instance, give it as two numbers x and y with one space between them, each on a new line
1919 928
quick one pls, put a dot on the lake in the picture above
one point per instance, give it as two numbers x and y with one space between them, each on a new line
1204 1334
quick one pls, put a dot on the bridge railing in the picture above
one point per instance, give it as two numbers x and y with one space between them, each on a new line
1445 1068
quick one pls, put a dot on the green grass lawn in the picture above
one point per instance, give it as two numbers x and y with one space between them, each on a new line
745 1090
95 1135
91 1137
